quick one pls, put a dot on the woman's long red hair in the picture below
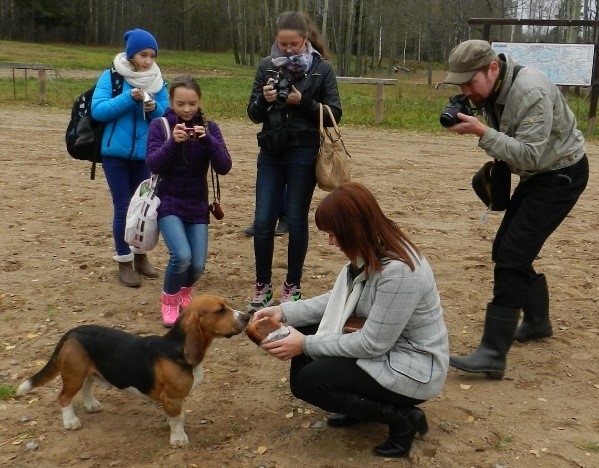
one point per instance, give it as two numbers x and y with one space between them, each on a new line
354 217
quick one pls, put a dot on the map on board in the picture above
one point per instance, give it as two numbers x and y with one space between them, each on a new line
564 64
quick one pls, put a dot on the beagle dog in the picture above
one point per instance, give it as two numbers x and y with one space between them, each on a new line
163 368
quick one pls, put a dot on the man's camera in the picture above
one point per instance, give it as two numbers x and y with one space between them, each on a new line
457 103
283 86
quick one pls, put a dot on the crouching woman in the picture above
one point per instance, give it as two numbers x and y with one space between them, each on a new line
400 356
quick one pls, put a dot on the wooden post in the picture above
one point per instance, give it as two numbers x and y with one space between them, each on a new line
594 93
41 74
379 93
41 78
379 103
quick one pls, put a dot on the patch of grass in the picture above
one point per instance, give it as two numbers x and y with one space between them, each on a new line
505 440
6 392
587 446
412 105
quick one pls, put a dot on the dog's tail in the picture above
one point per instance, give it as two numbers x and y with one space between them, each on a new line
46 373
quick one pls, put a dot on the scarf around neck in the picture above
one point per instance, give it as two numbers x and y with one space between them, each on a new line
297 65
150 80
343 301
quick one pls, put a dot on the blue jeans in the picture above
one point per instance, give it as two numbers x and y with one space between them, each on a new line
188 246
123 177
294 168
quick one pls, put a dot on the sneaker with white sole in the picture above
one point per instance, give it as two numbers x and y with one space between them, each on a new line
282 227
291 293
262 297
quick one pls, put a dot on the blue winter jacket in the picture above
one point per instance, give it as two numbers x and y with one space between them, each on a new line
126 126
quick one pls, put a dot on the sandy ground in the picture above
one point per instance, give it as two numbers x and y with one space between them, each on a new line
56 271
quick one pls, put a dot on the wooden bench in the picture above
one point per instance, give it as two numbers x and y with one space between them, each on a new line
41 76
379 94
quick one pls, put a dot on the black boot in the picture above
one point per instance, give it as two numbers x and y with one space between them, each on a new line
403 423
536 323
341 420
402 433
498 335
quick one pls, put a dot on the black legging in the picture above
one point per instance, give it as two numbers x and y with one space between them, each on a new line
326 382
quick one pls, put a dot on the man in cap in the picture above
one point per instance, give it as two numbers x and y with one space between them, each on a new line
531 128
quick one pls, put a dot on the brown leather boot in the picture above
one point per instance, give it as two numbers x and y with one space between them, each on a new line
128 276
142 265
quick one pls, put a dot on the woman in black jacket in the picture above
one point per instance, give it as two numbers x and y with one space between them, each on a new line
288 88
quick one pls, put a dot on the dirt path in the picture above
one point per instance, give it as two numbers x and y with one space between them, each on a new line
56 271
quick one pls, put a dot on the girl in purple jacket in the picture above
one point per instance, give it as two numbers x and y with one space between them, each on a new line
181 156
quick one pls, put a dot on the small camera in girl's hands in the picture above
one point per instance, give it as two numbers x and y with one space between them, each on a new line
191 133
216 210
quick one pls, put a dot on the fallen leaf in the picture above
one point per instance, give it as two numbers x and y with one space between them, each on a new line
464 386
289 415
261 450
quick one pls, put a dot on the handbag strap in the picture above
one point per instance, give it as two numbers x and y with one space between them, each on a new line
216 190
166 127
325 132
331 117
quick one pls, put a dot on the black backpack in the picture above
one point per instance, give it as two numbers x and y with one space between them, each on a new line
84 135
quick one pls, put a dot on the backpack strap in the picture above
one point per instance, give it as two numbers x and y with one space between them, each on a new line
116 80
517 69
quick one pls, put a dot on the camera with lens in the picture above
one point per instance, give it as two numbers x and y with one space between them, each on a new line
457 103
280 82
283 86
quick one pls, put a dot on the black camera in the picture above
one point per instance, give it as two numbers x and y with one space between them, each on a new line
457 103
283 86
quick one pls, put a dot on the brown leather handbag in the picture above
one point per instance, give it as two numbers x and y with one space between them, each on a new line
353 323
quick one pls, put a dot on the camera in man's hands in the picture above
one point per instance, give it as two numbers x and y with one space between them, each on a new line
283 87
457 103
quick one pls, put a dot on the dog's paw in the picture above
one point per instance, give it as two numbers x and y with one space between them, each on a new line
178 435
179 440
71 424
69 420
93 406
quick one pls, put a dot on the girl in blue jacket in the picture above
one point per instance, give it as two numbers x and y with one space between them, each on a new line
127 117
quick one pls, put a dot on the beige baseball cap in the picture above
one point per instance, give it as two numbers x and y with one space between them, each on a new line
466 59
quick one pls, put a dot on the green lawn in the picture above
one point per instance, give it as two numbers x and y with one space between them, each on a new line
411 105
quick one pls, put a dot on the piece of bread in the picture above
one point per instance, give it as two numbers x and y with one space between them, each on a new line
266 330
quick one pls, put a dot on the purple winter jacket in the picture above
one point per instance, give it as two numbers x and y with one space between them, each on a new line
183 168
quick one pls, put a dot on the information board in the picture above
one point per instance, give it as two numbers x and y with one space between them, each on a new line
564 64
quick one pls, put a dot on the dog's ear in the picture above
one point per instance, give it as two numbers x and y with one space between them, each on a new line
193 348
